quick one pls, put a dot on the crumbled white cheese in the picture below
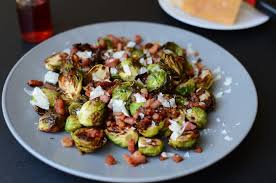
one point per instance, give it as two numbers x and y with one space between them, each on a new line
228 138
51 77
201 103
204 96
172 102
143 70
141 115
218 77
84 54
228 81
130 44
228 90
67 50
148 140
153 123
237 124
143 61
164 154
108 54
118 54
126 69
149 60
189 111
139 98
218 119
119 106
97 92
39 99
110 104
219 94
176 129
186 155
78 112
113 71
204 73
132 128
163 101
223 132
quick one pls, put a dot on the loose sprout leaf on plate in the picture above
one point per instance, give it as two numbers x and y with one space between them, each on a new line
133 94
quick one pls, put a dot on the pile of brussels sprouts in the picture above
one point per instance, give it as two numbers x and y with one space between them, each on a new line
121 90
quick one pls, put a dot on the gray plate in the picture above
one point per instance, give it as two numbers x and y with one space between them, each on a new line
236 110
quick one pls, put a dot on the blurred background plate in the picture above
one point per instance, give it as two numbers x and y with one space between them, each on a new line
234 114
248 17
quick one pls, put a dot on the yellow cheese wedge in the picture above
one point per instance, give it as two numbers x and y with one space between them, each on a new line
219 11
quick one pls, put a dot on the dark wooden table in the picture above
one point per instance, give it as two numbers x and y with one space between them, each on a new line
253 161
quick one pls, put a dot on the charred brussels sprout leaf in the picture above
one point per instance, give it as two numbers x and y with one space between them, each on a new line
186 141
72 123
197 116
205 79
74 107
173 64
174 48
92 113
123 137
51 122
71 83
150 147
186 87
88 139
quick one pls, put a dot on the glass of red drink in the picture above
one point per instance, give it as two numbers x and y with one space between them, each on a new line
34 20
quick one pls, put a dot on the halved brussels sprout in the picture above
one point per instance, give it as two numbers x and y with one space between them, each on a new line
55 62
136 54
121 137
88 139
133 107
151 130
51 95
98 73
205 79
186 87
156 80
51 122
122 91
197 116
72 123
186 141
71 83
92 113
174 48
150 147
128 71
74 107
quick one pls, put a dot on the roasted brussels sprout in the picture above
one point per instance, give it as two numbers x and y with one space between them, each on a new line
71 83
205 79
72 123
128 71
98 73
156 80
197 116
121 137
153 68
122 91
55 62
150 147
186 87
51 122
74 107
186 141
136 54
51 95
89 139
174 48
133 107
92 113
150 131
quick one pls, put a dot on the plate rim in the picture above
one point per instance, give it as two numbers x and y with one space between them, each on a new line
212 27
121 179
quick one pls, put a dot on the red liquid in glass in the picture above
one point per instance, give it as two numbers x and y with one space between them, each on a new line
35 21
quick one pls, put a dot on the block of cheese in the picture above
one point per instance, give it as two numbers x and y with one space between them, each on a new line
219 11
